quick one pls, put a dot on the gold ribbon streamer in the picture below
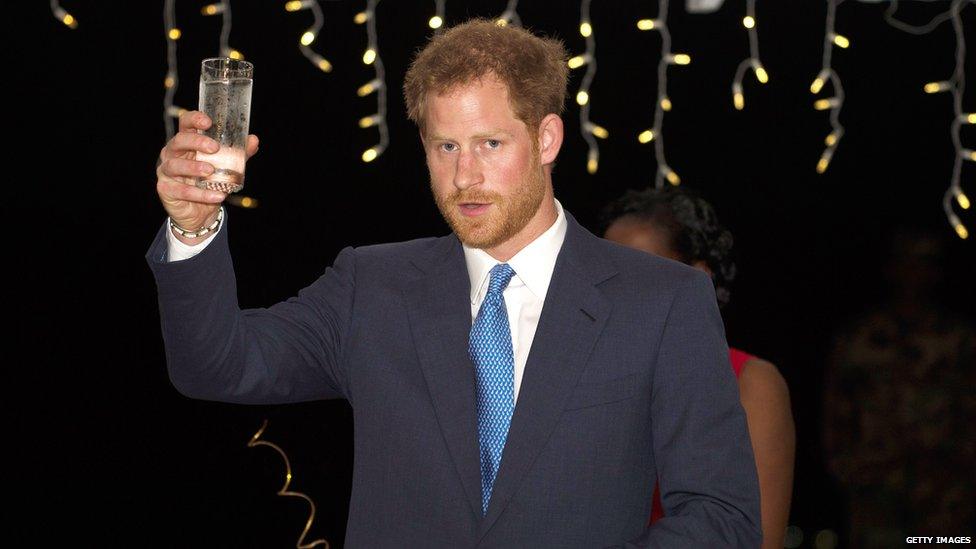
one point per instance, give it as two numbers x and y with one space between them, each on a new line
256 441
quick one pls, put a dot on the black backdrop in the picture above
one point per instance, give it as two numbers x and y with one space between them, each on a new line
109 452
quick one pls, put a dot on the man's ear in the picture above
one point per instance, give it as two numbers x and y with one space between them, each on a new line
550 138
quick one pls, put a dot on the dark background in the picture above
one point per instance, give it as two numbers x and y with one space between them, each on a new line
108 451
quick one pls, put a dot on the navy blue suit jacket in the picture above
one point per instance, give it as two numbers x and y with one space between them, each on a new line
627 382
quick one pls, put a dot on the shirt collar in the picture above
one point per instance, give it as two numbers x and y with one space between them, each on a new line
533 264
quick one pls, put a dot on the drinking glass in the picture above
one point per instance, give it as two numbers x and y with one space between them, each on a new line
225 96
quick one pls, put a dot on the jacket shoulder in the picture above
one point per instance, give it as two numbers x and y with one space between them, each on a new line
393 259
644 267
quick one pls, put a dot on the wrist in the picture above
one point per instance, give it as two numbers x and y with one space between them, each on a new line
194 236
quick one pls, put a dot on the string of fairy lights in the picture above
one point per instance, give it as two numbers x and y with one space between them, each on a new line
170 111
285 492
826 79
827 75
589 130
956 85
309 36
752 62
377 85
223 9
663 103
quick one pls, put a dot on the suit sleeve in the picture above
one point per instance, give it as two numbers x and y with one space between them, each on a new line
289 352
706 470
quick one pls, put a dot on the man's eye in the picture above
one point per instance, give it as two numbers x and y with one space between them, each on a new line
448 147
493 143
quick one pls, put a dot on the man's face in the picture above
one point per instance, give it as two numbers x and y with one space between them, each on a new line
485 170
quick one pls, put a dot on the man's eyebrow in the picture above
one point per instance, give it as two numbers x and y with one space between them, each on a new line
482 135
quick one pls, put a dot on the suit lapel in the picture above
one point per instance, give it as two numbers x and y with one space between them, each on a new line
439 305
572 319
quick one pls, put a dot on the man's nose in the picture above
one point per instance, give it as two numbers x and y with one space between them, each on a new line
468 171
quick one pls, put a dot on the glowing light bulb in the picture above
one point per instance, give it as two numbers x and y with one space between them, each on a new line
831 139
969 118
368 87
501 22
671 176
824 161
212 9
360 18
234 54
169 82
296 5
824 104
958 226
599 131
962 199
748 21
308 38
646 24
174 34
738 99
578 61
245 202
369 56
592 162
841 41
586 29
761 75
818 82
679 58
322 63
665 104
66 18
936 87
646 136
370 154
582 97
435 22
368 121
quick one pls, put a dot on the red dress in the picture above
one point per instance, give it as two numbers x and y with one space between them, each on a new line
738 359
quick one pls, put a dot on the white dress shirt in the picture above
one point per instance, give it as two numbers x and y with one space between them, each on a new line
178 251
526 292
524 295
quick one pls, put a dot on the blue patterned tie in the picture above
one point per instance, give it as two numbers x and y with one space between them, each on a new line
490 348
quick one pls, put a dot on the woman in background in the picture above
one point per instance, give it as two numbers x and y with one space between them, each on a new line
677 224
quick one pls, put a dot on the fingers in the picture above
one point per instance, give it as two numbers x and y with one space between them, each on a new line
171 190
252 145
184 142
175 168
191 121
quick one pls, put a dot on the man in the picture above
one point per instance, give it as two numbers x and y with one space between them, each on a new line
518 383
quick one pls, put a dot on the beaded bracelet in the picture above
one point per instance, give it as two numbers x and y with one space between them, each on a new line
202 230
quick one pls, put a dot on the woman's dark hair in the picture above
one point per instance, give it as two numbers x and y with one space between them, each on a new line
690 224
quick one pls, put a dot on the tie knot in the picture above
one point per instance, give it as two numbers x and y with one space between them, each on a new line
501 275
